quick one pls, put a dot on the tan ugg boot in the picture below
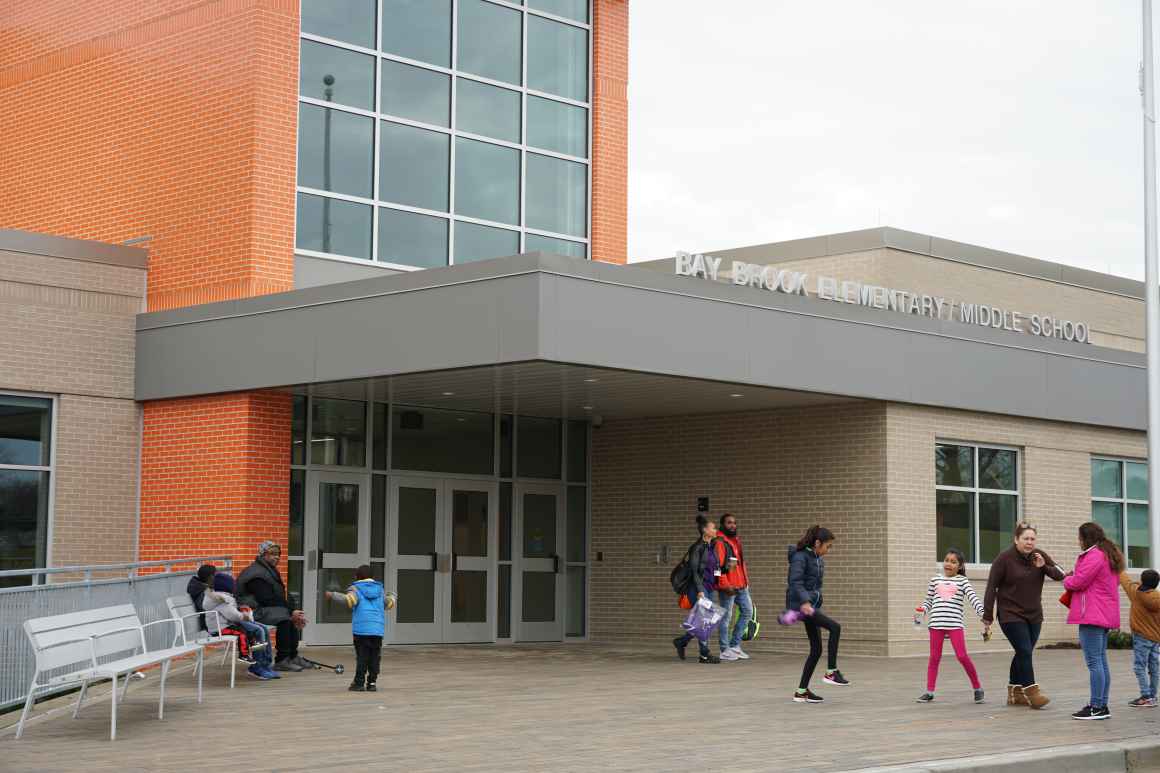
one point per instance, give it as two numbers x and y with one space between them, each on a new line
1015 696
1035 696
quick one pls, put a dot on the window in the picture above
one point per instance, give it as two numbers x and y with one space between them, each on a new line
414 164
557 195
415 122
976 499
335 149
479 242
416 93
25 476
1120 506
557 59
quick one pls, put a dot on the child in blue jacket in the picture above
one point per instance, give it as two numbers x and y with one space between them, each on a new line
367 600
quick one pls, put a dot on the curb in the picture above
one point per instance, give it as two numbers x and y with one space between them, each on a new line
1131 755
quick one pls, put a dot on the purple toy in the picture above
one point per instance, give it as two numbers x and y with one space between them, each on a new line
790 616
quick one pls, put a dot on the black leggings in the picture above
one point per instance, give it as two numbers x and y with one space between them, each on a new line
813 623
1023 637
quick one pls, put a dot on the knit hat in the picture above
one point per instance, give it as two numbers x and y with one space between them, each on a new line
205 572
266 545
1149 579
223 582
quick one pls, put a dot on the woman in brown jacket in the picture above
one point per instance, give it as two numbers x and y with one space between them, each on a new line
1016 585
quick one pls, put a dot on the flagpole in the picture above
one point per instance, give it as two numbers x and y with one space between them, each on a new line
1151 284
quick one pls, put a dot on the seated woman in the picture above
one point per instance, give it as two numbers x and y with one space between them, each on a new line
260 587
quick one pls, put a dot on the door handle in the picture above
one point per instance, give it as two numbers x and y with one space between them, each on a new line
434 561
555 564
312 561
321 559
454 562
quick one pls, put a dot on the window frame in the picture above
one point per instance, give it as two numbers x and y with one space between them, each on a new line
50 468
376 203
1123 500
976 490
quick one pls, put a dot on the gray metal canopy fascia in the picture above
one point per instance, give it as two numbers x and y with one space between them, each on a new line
541 307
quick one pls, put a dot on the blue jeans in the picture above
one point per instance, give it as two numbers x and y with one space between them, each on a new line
746 606
257 632
1094 641
1146 664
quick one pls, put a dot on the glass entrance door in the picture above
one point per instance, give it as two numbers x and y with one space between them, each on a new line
337 537
540 539
442 551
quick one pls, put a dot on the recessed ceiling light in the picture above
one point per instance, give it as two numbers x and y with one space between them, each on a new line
586 407
448 394
591 381
737 394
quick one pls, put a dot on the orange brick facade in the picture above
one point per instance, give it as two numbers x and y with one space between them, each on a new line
177 120
610 131
214 475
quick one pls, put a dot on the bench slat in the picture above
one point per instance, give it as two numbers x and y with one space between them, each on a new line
70 619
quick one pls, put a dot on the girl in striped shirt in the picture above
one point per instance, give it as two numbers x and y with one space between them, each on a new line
944 607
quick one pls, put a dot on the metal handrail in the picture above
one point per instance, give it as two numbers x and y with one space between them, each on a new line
111 567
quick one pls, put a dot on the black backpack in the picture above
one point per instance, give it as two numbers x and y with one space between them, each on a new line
682 574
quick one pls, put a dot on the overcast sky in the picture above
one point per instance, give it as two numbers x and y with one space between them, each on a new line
1013 125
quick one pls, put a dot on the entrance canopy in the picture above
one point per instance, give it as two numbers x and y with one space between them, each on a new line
556 334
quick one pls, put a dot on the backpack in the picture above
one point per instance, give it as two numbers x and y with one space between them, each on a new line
682 575
752 630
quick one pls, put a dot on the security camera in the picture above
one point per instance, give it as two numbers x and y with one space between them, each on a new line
597 421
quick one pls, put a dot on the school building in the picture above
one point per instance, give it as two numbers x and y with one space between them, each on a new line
373 305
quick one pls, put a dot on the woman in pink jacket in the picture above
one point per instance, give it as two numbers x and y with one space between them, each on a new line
1095 607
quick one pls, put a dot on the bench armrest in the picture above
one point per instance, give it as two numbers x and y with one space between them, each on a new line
138 628
179 630
87 640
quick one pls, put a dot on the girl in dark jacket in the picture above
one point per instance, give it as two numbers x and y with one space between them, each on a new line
703 565
804 593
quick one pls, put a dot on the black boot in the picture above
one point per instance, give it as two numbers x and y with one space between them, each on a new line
680 644
357 686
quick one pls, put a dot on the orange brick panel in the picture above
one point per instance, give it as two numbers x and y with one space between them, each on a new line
180 125
215 475
610 131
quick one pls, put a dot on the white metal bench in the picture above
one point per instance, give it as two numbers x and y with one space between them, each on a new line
70 649
181 609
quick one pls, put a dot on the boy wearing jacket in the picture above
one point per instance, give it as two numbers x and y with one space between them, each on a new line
367 601
1145 619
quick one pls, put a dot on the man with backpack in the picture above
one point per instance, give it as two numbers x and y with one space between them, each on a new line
732 587
695 578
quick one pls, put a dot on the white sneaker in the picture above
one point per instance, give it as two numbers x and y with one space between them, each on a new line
741 655
728 654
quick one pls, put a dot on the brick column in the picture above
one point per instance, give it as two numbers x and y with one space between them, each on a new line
610 131
215 475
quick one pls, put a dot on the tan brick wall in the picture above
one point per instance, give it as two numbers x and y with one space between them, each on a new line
778 472
70 323
1115 321
1055 485
69 332
97 443
866 470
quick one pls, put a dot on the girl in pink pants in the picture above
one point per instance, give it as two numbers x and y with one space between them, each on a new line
944 607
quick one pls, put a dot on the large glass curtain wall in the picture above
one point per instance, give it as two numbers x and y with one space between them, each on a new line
443 131
382 439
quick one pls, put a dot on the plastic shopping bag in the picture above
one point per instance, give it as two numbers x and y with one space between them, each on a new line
704 617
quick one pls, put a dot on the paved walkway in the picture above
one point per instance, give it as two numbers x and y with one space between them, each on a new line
574 708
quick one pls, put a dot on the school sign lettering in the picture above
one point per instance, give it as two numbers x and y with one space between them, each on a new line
780 280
